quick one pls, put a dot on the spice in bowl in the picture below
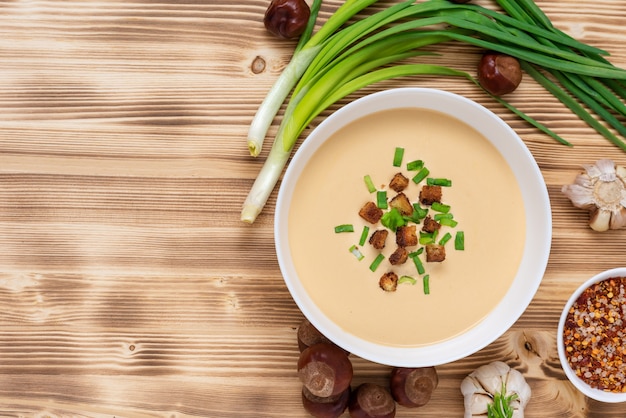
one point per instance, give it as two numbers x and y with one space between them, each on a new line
594 335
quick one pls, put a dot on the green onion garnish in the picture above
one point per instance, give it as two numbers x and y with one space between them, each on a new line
369 184
445 238
366 231
356 252
381 199
415 165
421 212
439 216
397 157
407 279
448 222
439 182
440 207
459 241
344 228
421 175
426 238
426 281
393 219
416 260
379 259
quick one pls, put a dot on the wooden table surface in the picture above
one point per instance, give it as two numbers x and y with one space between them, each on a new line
129 287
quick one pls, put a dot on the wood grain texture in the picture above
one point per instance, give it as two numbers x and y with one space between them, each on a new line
128 285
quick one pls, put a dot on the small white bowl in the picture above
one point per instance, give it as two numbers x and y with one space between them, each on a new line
536 248
599 395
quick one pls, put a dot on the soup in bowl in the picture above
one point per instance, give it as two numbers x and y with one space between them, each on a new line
491 215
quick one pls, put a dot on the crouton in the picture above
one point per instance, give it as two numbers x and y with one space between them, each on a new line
430 195
430 225
398 183
378 238
388 282
399 256
406 236
371 213
435 253
402 203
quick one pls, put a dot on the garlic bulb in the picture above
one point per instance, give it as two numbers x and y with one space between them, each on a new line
495 390
601 189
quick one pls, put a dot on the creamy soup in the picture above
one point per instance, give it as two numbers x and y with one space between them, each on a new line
485 200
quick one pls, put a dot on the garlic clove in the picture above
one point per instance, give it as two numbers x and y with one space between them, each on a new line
600 220
618 218
579 195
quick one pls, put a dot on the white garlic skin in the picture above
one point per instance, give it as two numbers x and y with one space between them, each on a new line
480 386
601 189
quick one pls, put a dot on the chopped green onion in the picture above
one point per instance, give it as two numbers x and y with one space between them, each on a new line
393 219
426 238
445 238
439 182
459 241
381 199
357 253
366 231
379 259
397 157
421 212
426 281
416 260
421 175
407 279
448 222
415 165
440 207
439 216
369 184
344 228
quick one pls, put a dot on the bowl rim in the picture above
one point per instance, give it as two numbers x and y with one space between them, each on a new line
538 226
596 394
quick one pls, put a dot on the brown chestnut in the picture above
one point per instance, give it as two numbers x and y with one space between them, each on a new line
413 387
499 73
309 335
287 18
330 407
325 369
370 400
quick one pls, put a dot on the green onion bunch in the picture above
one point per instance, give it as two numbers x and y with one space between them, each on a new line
351 51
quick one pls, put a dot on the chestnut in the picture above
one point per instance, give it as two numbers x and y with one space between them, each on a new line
370 400
412 387
325 369
287 18
309 335
499 73
330 407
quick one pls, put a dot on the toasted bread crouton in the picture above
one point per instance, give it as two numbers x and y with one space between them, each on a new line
406 236
399 256
378 238
371 213
402 203
398 183
435 253
430 225
430 195
388 282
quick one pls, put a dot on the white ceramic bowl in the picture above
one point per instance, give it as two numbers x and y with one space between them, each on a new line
587 390
536 247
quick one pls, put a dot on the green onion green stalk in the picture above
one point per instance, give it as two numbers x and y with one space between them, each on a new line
352 50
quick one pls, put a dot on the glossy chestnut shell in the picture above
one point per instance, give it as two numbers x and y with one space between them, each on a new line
370 400
287 18
499 73
325 370
413 387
